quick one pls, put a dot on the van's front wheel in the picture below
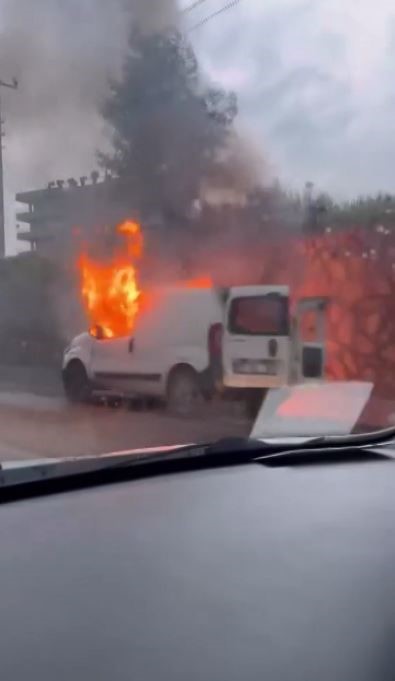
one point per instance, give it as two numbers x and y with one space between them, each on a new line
184 396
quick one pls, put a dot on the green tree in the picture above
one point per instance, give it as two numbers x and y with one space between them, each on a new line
167 128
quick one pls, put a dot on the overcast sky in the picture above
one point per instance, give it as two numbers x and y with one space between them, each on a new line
315 81
316 84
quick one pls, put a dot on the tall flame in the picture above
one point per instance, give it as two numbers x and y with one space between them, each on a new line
110 291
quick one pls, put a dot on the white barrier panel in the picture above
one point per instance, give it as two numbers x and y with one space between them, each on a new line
314 409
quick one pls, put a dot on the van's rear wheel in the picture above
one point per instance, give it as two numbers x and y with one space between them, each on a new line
76 383
184 395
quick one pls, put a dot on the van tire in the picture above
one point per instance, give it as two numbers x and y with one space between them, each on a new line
76 383
183 395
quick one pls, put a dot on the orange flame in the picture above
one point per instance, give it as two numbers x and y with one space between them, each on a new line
200 282
110 291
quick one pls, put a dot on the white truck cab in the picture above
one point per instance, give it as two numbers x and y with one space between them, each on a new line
189 343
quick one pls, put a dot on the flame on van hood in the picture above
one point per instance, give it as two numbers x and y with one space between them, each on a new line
110 290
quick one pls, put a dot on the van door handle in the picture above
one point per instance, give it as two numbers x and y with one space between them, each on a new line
131 345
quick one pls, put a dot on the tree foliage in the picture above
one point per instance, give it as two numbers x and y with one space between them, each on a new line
167 128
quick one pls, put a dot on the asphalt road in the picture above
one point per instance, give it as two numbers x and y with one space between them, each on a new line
37 422
33 426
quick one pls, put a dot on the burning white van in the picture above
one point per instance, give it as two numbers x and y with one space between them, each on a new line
189 344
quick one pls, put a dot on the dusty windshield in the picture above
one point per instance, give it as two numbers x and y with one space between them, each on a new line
196 222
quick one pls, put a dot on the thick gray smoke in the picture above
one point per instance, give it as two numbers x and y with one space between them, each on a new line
153 15
63 52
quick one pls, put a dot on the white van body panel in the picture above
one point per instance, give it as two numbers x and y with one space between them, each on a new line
173 330
80 348
310 339
257 360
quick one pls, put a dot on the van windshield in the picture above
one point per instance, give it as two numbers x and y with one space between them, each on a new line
259 316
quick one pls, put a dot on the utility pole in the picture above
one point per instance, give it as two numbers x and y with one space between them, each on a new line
13 86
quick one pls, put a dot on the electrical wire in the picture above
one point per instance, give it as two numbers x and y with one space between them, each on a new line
193 6
213 15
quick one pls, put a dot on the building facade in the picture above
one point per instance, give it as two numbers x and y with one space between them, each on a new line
57 219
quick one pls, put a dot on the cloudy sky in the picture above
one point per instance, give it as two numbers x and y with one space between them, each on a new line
316 86
315 81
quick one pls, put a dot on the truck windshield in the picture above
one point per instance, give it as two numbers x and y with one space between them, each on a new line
259 316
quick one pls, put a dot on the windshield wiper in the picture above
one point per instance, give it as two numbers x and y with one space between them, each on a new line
18 481
324 455
31 479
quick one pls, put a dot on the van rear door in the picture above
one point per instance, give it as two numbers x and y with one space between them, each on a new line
256 341
310 339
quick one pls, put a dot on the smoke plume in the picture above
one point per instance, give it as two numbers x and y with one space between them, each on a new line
153 15
63 53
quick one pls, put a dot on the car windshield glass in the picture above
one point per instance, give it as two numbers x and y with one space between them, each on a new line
197 222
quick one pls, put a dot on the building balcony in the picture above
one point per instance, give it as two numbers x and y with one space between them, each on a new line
37 217
33 237
26 216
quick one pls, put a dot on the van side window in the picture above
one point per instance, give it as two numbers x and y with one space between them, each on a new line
259 316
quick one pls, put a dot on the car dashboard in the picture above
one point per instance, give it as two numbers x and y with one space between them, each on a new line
242 572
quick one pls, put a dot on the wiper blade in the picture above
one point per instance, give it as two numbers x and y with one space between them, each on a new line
60 475
242 449
40 478
19 473
332 449
323 455
362 439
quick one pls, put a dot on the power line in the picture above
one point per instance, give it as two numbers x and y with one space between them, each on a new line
213 15
193 6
